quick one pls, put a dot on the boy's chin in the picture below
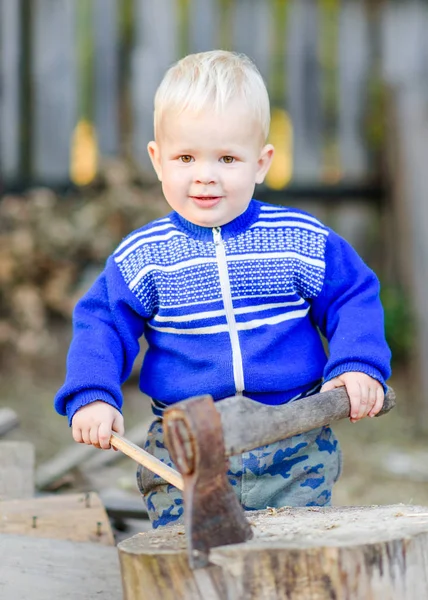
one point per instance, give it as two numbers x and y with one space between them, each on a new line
207 218
211 223
211 219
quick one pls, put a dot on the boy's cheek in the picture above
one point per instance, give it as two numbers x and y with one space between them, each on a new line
172 176
171 185
172 190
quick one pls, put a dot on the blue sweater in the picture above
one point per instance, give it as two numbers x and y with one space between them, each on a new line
226 310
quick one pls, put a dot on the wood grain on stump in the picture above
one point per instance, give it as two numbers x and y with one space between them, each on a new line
344 553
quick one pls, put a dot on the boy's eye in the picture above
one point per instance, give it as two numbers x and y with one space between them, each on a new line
228 160
186 158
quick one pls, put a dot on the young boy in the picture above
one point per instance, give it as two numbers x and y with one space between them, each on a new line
230 294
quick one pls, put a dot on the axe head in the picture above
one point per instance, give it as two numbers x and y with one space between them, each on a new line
212 513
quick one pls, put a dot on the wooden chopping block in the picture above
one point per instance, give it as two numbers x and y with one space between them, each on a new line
376 552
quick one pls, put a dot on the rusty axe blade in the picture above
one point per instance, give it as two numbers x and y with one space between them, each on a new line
212 513
201 434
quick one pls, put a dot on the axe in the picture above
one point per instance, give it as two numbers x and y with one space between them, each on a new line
200 434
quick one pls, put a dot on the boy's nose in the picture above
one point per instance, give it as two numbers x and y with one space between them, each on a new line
205 175
204 180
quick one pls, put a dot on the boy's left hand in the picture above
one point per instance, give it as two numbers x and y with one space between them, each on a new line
365 393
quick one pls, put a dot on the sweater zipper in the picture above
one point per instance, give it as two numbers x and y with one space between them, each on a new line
238 371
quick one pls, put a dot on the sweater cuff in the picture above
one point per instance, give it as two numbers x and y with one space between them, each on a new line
356 367
87 397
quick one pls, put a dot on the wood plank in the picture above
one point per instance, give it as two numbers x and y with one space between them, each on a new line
408 159
252 31
354 67
401 238
10 55
40 569
355 52
8 420
304 89
54 88
204 25
404 60
73 517
404 54
16 470
155 49
352 220
403 41
106 75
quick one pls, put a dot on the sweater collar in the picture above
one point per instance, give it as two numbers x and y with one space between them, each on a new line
231 229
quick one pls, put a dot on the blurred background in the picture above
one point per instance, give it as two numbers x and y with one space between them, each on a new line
349 91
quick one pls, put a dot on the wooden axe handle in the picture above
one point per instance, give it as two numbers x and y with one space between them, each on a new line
248 424
147 460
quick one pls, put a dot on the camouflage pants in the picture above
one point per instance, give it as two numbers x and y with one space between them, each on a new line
298 471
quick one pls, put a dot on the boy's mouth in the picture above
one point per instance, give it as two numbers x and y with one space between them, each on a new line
206 201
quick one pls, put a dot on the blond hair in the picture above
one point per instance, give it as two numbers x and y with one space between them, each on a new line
213 79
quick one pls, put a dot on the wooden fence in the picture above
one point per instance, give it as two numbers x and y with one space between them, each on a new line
325 62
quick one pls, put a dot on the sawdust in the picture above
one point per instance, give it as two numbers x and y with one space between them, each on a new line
337 526
158 541
305 528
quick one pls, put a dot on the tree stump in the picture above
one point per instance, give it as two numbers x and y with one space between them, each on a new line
358 553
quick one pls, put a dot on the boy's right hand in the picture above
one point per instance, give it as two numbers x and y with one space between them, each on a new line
94 423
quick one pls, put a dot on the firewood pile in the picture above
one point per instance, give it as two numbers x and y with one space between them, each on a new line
53 247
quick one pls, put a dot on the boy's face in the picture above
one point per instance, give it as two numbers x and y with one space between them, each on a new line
209 163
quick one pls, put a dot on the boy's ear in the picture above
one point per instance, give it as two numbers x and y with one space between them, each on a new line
153 150
264 162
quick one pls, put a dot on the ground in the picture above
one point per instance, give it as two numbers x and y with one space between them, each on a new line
384 461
